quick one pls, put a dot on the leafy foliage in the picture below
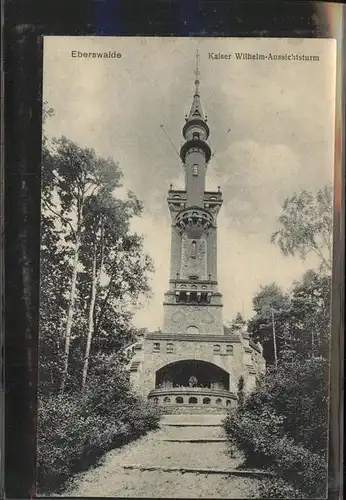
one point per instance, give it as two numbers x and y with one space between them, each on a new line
271 305
74 430
84 225
310 314
302 318
282 426
306 226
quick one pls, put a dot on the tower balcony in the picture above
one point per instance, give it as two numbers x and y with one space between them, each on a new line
193 399
195 144
194 219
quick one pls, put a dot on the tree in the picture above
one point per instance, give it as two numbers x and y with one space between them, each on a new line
75 176
269 326
55 270
310 314
306 226
107 244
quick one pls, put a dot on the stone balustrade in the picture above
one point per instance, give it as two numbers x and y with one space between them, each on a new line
193 396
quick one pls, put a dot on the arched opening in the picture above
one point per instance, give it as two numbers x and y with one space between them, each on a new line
193 401
218 401
179 400
166 399
228 402
206 401
192 373
192 329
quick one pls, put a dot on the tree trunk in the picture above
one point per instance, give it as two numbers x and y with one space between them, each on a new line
90 319
70 312
95 280
274 340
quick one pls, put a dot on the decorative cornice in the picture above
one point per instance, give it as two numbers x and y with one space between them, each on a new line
193 337
188 304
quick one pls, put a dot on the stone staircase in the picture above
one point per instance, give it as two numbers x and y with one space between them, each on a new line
188 457
192 428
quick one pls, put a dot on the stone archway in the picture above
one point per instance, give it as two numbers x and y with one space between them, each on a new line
192 373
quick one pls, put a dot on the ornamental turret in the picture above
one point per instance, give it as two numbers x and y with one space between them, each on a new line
195 153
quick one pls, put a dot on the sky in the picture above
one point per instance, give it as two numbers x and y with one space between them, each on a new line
281 140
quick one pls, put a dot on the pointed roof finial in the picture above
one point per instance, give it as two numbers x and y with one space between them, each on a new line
197 73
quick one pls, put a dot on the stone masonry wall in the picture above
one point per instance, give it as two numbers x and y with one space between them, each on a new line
194 264
208 319
187 350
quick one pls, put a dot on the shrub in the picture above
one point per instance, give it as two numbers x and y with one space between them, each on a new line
278 488
75 430
282 426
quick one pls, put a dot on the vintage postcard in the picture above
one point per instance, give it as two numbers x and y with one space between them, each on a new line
186 261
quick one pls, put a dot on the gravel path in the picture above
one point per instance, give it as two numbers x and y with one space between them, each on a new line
109 478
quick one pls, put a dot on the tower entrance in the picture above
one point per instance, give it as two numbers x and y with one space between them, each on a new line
192 373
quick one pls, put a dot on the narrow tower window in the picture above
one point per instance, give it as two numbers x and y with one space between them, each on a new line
195 170
193 249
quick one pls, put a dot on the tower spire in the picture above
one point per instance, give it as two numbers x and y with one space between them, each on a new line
196 111
197 73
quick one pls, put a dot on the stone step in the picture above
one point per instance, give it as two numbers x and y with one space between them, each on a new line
187 424
192 432
194 440
200 470
193 419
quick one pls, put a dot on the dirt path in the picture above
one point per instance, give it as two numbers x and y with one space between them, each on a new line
167 448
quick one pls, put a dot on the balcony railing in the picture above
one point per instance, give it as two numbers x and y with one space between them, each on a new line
193 396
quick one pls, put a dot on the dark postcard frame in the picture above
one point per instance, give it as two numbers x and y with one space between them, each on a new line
25 23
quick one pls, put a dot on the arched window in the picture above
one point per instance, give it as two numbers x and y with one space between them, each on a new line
156 347
206 401
195 170
169 347
217 348
193 400
218 401
229 402
229 349
156 400
193 249
179 400
166 399
192 329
